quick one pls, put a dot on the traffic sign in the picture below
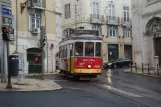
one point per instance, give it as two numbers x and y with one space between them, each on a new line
6 11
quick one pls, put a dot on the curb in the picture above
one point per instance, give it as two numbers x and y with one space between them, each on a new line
144 75
8 90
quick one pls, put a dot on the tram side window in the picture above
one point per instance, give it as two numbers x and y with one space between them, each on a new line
65 51
71 52
89 49
78 49
61 52
98 49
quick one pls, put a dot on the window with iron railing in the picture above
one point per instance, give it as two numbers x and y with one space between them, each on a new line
112 31
111 7
95 10
67 11
36 20
127 32
126 13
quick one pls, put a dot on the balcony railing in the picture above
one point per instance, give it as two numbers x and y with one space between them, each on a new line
94 18
112 20
39 4
126 22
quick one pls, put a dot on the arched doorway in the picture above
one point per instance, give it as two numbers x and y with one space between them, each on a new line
153 28
34 60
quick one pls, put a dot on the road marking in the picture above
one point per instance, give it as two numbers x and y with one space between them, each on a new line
120 91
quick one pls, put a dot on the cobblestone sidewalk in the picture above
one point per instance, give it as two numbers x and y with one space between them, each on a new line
32 85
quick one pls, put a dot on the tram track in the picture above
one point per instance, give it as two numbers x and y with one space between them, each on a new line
145 84
117 94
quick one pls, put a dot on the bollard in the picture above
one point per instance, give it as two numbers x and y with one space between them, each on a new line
135 68
148 69
158 69
142 68
131 67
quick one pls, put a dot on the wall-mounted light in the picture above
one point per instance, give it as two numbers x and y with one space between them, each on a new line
23 6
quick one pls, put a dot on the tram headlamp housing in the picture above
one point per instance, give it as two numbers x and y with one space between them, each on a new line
89 66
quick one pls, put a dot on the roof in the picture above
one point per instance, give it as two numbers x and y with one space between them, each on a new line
83 36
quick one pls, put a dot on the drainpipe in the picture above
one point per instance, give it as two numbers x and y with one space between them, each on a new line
46 36
16 26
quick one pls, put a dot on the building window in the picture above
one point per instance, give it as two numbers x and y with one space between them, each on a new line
36 20
126 13
96 10
112 31
98 28
111 10
67 11
127 32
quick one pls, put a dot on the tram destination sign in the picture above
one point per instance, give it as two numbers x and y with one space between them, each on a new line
92 32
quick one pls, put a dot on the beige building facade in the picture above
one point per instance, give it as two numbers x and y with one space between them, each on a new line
112 18
31 14
146 32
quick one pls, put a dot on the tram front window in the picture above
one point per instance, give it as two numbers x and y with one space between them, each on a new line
89 49
79 49
98 49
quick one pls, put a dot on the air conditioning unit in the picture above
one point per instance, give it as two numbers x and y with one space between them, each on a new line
35 30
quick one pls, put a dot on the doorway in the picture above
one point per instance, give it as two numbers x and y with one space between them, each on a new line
113 53
128 51
34 60
158 49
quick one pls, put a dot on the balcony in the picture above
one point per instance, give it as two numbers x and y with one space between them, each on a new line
126 22
37 4
112 20
96 19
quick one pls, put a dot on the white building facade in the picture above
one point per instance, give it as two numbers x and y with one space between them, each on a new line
112 18
146 22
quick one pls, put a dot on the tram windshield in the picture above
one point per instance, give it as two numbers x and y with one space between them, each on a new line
79 49
98 49
89 49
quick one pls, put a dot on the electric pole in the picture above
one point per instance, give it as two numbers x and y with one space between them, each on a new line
42 44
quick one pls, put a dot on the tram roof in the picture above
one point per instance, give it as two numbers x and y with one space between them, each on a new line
82 37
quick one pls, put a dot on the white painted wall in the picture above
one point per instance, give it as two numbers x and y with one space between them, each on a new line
143 45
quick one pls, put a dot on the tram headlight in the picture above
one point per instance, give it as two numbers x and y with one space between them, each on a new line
89 66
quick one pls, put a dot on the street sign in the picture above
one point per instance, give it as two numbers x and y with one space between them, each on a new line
6 11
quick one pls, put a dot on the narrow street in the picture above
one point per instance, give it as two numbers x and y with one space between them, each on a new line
113 88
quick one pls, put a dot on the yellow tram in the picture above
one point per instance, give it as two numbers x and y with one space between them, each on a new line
80 54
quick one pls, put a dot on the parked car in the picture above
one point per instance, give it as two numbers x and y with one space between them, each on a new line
105 65
120 62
